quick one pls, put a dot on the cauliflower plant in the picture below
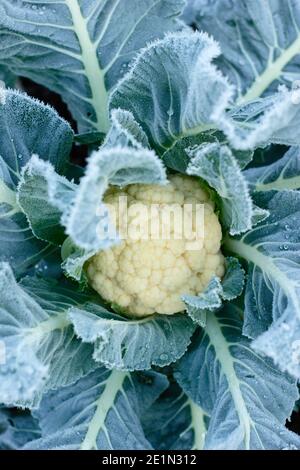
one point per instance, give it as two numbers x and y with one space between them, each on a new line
146 276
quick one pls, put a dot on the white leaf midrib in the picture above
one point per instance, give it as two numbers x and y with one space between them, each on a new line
271 73
224 357
268 266
8 196
46 327
105 402
94 73
279 184
197 425
59 322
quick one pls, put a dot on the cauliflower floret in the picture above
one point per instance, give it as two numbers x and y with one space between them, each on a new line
146 276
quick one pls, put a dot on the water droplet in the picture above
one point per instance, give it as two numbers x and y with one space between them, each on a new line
285 327
164 357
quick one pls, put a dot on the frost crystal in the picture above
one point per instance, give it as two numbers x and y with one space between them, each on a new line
296 352
2 92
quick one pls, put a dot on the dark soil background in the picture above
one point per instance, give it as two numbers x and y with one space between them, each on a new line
79 155
294 424
79 152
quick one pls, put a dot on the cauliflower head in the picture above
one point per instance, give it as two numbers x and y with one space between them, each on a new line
146 276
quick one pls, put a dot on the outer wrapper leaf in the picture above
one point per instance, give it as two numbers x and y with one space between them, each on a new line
120 343
218 167
22 122
17 429
178 157
272 291
247 399
173 89
284 174
125 131
33 197
87 44
273 119
101 411
259 41
175 422
217 291
39 344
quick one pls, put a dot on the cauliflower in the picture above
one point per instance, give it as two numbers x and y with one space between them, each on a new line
146 276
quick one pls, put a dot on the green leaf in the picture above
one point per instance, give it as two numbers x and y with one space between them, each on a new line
16 429
41 350
120 133
8 78
231 287
218 167
74 259
247 399
259 215
89 138
23 120
273 119
233 280
81 49
124 344
284 174
190 12
175 422
173 89
260 42
73 172
33 198
208 301
22 123
17 243
101 411
125 131
272 291
178 156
